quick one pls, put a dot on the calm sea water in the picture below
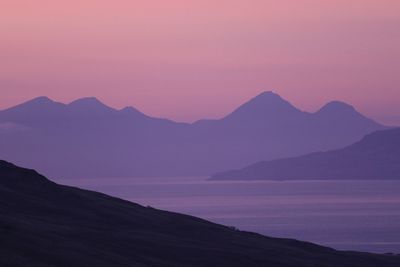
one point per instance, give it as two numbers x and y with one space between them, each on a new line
347 215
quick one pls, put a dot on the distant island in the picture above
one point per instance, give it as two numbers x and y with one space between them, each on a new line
376 156
46 224
100 141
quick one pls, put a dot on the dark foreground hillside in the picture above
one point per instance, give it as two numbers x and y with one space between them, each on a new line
46 224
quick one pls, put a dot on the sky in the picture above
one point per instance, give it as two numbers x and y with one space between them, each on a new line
192 59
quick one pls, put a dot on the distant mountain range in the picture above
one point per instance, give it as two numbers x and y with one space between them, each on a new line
101 141
376 156
46 224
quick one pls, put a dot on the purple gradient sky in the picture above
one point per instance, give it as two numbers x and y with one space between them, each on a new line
187 60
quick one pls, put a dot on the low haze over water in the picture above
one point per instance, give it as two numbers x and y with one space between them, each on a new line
346 215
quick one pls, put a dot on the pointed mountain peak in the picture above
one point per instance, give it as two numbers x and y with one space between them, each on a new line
41 103
268 94
269 99
337 106
344 111
89 107
266 103
88 103
40 100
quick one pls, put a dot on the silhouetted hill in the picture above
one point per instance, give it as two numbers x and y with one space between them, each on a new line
101 141
46 224
266 105
43 109
376 156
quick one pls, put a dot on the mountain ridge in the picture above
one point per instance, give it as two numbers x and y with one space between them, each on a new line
376 156
264 98
127 142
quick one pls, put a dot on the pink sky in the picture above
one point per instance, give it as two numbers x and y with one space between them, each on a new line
193 59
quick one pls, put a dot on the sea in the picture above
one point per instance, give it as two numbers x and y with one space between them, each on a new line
360 215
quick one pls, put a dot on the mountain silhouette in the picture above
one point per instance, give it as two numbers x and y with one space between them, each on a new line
376 156
46 224
101 141
265 105
335 107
